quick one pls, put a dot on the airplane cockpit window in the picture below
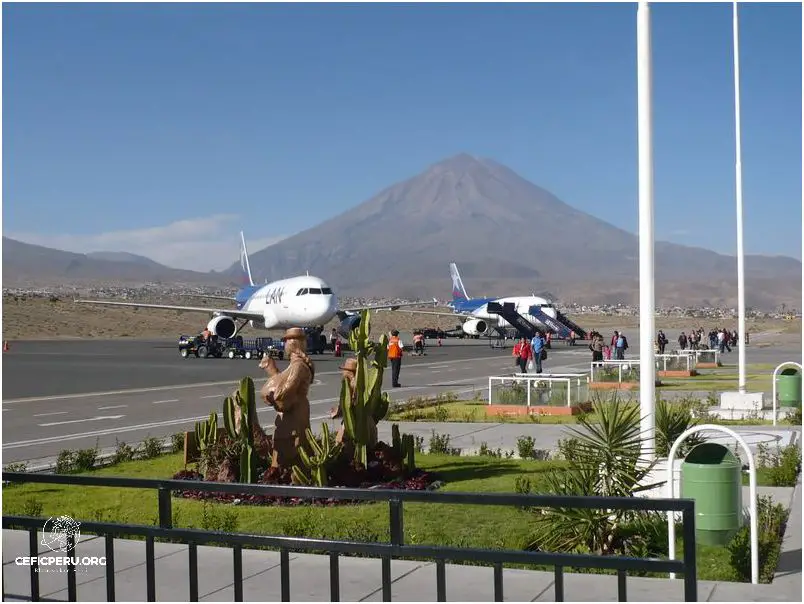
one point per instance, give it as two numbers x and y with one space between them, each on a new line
302 292
315 290
326 291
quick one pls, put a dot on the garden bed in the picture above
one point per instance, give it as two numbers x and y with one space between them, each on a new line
678 373
536 410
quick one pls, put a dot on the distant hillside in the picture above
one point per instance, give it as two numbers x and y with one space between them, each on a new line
474 211
24 263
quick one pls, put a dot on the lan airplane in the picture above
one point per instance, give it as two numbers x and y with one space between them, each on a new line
303 301
475 310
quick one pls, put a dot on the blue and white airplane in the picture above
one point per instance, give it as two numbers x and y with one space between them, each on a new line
475 310
303 301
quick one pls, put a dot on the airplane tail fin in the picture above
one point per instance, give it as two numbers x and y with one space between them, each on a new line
458 290
244 260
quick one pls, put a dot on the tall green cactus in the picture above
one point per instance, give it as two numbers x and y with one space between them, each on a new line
404 447
364 408
206 432
245 400
324 454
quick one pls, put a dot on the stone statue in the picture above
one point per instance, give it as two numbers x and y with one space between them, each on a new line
287 392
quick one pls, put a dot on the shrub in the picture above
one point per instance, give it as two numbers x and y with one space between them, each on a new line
782 468
177 442
150 448
672 420
440 444
82 460
123 452
525 446
32 507
215 518
794 418
440 413
522 484
771 520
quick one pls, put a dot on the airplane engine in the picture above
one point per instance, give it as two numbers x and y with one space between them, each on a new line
223 327
348 325
474 327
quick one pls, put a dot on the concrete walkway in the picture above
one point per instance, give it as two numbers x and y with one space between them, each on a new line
359 579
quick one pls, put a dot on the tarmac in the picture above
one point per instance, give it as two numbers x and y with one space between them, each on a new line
74 394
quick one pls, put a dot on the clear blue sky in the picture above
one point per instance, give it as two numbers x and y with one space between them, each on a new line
124 119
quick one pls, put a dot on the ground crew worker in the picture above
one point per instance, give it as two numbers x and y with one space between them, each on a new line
395 347
205 333
418 343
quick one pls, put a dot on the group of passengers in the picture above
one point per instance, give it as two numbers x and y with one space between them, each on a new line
529 354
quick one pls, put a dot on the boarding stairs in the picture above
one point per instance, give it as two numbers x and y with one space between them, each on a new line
561 325
508 312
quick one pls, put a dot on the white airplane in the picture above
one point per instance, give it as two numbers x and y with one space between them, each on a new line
303 301
536 310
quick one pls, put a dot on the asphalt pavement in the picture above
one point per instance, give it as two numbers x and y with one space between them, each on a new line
128 391
75 394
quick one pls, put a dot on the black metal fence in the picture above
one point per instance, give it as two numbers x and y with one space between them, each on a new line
385 551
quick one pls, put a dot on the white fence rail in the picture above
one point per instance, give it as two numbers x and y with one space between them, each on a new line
626 370
676 362
708 355
540 389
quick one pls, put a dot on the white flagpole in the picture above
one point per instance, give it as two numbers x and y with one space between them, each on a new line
647 375
739 187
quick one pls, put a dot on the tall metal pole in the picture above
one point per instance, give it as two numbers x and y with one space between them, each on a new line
739 186
647 375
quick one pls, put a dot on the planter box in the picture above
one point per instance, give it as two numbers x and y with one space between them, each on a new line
710 365
519 410
613 385
678 373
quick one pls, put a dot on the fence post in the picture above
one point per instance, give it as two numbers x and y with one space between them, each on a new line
690 565
397 522
165 509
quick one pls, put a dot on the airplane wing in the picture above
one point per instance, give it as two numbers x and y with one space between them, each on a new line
386 306
229 312
457 315
210 296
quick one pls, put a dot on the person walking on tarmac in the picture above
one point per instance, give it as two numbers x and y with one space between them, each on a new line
395 347
539 353
522 354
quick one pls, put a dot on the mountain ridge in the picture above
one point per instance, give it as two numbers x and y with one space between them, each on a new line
470 210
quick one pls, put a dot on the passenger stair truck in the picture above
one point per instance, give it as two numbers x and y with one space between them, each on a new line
508 312
561 325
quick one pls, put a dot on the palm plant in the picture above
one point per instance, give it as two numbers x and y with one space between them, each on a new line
606 461
671 422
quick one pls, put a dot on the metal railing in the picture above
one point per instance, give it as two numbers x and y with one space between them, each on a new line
688 362
335 548
577 381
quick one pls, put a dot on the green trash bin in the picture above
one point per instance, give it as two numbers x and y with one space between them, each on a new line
712 475
788 387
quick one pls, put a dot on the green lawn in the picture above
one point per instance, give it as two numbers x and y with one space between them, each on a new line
474 411
435 524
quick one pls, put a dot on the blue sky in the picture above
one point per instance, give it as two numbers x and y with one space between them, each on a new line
164 129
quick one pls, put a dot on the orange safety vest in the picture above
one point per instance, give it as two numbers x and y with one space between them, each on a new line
394 350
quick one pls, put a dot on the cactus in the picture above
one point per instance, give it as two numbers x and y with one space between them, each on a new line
409 451
245 400
368 405
324 454
206 432
404 447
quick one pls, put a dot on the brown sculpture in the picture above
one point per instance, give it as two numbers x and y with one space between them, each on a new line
287 392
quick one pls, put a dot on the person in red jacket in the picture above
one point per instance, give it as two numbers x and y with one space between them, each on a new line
523 355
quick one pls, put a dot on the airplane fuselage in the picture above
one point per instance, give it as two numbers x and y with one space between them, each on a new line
295 302
522 306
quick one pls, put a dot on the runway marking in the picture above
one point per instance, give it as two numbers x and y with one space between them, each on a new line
78 421
46 414
167 400
111 407
121 429
211 396
188 420
60 397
